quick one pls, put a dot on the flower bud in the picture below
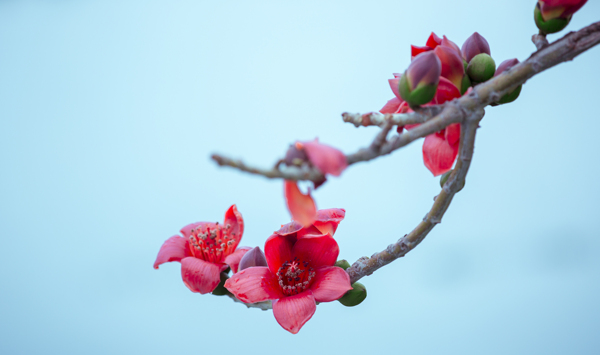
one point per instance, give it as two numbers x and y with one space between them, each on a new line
452 64
445 177
355 296
552 22
253 257
513 95
481 68
295 155
344 264
554 9
475 45
419 83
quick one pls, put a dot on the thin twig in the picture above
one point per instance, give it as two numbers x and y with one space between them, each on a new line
396 119
539 40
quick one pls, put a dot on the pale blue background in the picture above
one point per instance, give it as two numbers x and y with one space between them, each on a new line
109 111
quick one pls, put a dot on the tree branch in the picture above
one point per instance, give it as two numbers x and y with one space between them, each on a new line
398 119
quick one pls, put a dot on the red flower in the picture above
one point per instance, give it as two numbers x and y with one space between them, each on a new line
552 9
205 250
300 272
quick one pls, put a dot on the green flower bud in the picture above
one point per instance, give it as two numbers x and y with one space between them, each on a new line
550 26
344 264
466 84
510 97
445 177
418 84
355 296
481 68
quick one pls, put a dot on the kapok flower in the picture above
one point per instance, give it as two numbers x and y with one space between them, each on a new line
205 250
327 159
553 9
300 273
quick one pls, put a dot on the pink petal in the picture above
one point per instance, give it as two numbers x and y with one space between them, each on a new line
233 259
173 249
391 106
302 207
199 275
394 86
187 230
328 220
330 284
438 154
326 158
446 91
255 284
318 250
453 134
452 64
448 43
293 312
278 249
235 220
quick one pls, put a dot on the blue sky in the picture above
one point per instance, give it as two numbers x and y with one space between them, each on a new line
109 111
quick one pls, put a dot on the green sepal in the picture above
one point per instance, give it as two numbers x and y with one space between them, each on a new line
445 177
465 85
220 290
510 97
550 26
355 296
421 95
343 263
481 68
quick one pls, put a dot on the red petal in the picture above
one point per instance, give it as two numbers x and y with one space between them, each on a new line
318 250
453 134
278 249
330 284
438 154
326 158
391 106
173 249
235 220
302 207
328 220
233 259
452 65
415 51
289 228
446 91
199 275
394 86
448 43
433 41
254 284
293 312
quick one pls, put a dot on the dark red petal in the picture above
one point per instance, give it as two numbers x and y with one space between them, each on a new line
452 134
330 284
234 219
394 86
446 91
328 220
278 249
415 51
233 259
438 154
310 230
173 249
255 284
293 312
433 41
326 158
318 250
302 207
391 106
199 275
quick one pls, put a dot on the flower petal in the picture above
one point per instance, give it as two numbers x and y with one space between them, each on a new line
302 207
173 249
199 275
255 284
330 284
415 50
394 85
328 220
234 219
233 259
433 41
289 228
278 249
438 154
446 91
452 64
318 250
326 158
391 106
452 134
187 230
293 312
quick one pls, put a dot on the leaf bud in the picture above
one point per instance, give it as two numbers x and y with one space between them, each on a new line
355 296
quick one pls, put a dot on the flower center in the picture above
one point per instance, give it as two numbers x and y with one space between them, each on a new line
295 276
211 242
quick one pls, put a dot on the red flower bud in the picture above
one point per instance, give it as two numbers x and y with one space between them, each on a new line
475 45
513 95
505 65
553 9
452 64
419 82
253 257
